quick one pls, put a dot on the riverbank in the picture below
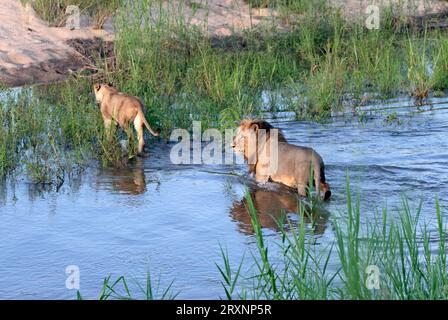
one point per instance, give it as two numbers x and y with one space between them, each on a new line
32 52
325 66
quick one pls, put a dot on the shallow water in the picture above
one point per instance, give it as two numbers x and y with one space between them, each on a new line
171 220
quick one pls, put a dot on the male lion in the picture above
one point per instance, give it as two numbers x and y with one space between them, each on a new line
124 109
294 164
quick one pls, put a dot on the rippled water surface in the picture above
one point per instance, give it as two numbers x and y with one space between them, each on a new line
172 219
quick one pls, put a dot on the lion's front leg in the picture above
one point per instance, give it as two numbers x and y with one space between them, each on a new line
261 178
302 190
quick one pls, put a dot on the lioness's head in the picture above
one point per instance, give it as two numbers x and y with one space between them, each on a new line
249 129
100 89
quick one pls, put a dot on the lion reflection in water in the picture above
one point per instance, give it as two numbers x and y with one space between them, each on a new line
128 179
271 207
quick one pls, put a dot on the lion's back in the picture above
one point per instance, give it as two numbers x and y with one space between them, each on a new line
124 107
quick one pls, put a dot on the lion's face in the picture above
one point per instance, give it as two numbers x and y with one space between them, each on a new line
244 133
238 141
98 89
247 141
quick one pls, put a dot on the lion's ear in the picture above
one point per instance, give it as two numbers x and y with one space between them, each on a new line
255 126
97 86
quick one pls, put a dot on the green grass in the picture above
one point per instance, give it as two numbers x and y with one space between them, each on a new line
259 3
120 289
411 259
440 61
322 59
54 11
50 132
181 75
409 254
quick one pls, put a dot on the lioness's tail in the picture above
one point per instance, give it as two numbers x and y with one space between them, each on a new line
154 133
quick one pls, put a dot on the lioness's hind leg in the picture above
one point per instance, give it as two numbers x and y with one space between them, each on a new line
107 123
138 125
109 127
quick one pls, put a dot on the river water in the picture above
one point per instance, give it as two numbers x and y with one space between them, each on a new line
171 219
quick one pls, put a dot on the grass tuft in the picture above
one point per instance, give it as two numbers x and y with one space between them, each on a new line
409 256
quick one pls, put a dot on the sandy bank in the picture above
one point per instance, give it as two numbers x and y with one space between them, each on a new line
33 52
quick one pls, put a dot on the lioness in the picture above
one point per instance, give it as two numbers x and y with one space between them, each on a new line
124 109
294 162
